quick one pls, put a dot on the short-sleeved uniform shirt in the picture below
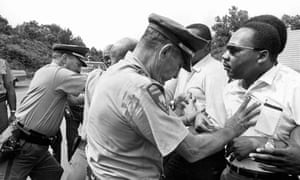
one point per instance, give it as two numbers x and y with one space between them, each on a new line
278 90
43 106
129 128
4 70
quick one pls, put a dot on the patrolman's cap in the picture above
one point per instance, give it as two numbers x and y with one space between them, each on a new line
78 51
180 36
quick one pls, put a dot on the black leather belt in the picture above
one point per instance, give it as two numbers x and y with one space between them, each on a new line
34 137
258 174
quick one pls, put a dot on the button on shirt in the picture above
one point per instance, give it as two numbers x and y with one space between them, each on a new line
43 106
128 131
205 83
279 91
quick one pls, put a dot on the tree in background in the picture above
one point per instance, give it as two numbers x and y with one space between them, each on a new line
95 55
28 46
292 22
5 28
224 27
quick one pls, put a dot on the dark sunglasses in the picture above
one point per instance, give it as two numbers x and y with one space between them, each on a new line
233 49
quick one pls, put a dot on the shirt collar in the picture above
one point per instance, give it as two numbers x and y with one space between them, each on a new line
269 76
129 56
197 67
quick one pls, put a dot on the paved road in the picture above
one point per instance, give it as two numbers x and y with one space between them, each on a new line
21 88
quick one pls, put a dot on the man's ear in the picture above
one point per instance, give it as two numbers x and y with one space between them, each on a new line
64 59
263 56
165 50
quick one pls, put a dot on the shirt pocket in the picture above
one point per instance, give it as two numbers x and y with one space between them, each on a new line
268 119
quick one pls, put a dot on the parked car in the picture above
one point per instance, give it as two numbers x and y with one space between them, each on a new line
18 75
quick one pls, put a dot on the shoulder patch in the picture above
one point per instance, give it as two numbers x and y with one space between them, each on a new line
156 92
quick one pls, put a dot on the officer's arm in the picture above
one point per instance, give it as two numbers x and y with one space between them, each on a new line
199 146
71 84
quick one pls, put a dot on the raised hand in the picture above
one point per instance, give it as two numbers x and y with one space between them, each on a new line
242 118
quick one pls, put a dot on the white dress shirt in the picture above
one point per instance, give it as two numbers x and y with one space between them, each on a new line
279 92
205 83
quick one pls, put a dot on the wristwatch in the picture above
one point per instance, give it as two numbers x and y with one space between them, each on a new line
172 105
270 144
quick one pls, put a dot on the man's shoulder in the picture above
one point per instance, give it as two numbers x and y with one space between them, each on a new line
214 63
95 73
288 74
233 85
139 80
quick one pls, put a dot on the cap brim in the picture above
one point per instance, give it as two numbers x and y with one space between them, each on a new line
81 58
187 63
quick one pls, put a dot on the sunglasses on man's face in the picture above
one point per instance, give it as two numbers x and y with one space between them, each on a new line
233 49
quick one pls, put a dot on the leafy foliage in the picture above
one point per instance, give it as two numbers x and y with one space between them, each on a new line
293 22
95 55
5 28
227 24
224 27
28 46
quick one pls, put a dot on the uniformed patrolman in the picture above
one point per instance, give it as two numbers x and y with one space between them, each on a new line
40 114
130 128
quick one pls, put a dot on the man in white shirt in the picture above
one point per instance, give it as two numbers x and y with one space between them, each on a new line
203 88
251 59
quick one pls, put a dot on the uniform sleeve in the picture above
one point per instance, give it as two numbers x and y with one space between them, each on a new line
153 121
71 83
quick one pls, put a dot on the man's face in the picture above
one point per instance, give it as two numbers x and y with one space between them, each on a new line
240 58
170 64
73 64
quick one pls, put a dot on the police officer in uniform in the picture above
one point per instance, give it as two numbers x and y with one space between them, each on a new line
130 128
40 115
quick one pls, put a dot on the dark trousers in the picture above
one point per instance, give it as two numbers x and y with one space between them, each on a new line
3 116
34 161
210 168
56 146
230 175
